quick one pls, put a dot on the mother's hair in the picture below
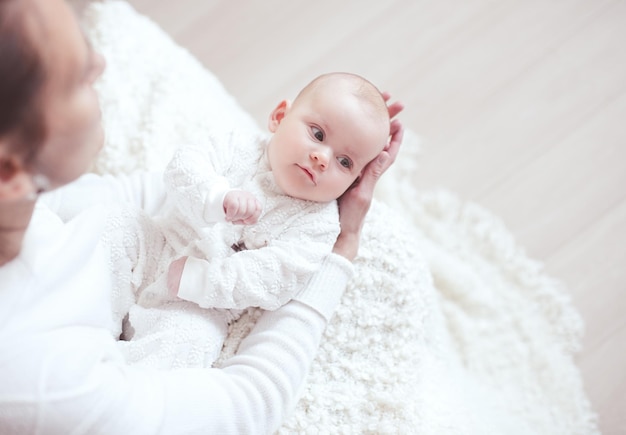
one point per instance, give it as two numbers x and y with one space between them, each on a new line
22 79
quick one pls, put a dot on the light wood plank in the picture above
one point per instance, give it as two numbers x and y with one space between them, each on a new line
539 108
593 263
571 184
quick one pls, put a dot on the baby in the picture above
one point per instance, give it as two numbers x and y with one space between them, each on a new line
258 244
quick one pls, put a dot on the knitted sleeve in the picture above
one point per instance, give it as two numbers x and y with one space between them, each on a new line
195 181
267 277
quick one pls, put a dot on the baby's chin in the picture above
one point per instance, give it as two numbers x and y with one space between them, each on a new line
315 197
312 196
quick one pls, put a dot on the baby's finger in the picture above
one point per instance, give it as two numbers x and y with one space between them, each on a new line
233 209
397 134
253 212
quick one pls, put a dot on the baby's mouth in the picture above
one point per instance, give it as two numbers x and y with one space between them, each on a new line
309 173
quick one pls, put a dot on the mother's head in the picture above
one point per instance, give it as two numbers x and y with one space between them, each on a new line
50 130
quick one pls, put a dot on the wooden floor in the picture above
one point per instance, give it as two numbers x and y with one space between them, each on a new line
521 105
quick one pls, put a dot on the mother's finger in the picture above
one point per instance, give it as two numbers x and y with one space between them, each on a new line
397 133
393 108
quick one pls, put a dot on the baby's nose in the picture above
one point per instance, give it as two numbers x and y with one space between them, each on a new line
321 157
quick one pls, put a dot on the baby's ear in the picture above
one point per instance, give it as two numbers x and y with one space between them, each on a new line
278 114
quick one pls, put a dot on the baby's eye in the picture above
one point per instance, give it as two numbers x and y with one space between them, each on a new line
345 162
319 134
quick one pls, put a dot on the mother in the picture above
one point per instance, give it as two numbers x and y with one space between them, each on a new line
60 369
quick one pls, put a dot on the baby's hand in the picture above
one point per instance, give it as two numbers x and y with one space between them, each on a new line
241 207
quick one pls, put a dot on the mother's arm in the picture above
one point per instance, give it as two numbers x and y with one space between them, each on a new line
143 190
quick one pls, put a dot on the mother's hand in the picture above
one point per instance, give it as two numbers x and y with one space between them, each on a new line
355 202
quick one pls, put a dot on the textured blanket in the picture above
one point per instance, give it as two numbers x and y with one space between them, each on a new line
447 327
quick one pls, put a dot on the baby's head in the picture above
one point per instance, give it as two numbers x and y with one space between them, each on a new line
323 140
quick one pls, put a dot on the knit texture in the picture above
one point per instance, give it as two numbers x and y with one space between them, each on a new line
447 326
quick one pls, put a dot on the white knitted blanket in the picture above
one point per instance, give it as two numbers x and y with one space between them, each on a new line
447 328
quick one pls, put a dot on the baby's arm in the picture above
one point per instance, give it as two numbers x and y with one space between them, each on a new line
195 186
203 196
266 277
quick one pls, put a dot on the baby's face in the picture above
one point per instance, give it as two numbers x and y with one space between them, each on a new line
322 143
